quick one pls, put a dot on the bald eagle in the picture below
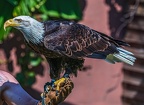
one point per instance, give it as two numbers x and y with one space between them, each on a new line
65 44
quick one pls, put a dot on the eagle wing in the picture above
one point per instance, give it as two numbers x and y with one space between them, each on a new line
77 40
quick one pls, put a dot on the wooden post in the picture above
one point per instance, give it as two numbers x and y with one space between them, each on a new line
133 83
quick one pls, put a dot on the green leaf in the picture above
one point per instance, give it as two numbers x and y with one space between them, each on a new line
13 2
35 61
21 77
30 81
31 74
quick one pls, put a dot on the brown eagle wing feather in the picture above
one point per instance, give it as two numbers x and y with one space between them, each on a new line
76 40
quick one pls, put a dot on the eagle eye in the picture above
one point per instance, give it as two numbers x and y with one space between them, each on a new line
18 20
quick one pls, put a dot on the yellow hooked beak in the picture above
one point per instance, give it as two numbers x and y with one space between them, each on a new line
9 23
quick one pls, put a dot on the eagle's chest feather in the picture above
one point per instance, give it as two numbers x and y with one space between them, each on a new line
41 49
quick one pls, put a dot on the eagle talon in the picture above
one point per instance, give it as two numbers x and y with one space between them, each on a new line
52 83
46 86
66 76
49 85
58 83
57 92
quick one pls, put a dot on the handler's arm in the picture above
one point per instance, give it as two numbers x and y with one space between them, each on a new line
12 93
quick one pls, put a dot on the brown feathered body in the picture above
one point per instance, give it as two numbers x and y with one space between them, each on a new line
65 44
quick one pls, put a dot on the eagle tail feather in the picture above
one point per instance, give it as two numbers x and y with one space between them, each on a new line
123 56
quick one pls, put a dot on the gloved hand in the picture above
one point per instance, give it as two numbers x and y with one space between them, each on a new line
52 97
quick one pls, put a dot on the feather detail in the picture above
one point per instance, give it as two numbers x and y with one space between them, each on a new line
78 41
32 29
123 56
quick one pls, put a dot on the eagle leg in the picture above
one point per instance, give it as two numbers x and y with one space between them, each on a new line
68 71
62 80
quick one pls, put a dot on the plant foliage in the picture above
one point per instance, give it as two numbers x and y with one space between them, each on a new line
39 9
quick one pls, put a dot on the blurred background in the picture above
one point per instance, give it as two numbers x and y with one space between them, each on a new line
100 83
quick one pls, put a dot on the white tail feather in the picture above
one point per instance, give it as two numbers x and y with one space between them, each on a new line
123 56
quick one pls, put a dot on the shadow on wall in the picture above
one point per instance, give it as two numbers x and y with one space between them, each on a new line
117 10
83 4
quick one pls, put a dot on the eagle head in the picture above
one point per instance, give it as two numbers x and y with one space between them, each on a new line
20 22
32 29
